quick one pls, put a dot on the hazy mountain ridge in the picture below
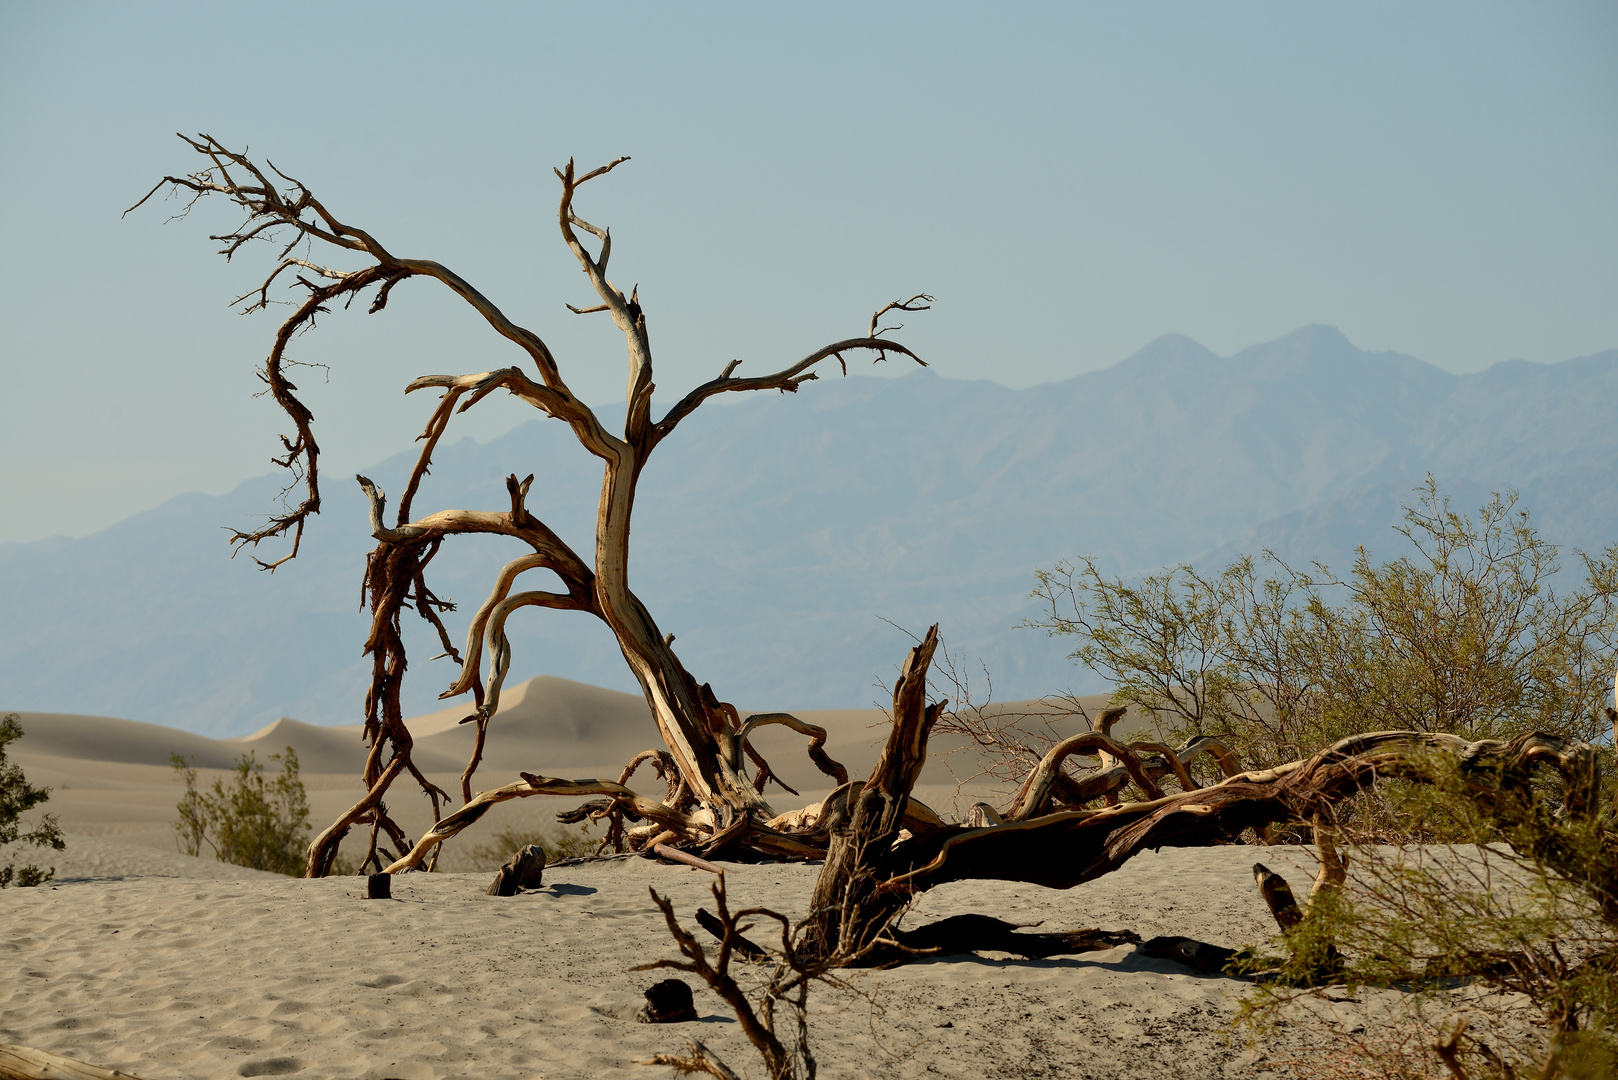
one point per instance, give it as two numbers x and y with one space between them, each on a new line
773 532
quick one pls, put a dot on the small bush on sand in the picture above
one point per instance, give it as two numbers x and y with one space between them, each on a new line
559 843
1496 958
17 797
258 822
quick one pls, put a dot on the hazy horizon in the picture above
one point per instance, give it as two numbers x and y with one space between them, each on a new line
1071 181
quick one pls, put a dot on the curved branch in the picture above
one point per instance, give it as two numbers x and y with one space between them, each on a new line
1215 748
500 647
1181 773
531 785
554 403
898 305
323 848
786 380
561 558
295 209
817 742
1036 790
474 632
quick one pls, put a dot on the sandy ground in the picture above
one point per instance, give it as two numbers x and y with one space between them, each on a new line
168 966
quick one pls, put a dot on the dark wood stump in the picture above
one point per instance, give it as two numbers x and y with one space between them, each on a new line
524 870
668 1002
379 887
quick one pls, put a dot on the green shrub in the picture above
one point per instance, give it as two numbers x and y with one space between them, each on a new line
1515 929
1516 935
17 797
1467 635
255 822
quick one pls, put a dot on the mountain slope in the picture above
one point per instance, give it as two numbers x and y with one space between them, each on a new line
774 534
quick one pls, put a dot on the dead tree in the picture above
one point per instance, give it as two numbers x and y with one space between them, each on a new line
879 844
706 737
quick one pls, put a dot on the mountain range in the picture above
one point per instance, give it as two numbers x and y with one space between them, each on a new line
786 539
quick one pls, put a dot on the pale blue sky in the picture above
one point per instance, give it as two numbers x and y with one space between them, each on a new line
1071 181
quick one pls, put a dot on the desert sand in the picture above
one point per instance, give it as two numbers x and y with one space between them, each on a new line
165 965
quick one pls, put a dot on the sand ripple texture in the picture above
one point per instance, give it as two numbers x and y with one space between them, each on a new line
257 975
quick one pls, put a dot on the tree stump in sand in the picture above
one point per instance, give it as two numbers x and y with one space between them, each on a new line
379 887
524 870
668 1002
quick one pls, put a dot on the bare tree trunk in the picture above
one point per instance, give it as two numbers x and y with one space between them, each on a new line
849 909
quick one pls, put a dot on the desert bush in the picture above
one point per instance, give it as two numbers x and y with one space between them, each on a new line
17 797
258 822
1494 955
1496 958
558 843
1465 635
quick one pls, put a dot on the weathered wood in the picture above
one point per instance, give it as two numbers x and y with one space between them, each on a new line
524 870
668 1002
1277 897
705 739
25 1063
530 785
1200 955
379 887
1036 791
980 933
846 911
1065 849
711 923
698 1059
685 858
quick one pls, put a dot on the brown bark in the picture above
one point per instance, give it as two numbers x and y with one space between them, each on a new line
1048 836
1065 849
524 870
1277 897
847 912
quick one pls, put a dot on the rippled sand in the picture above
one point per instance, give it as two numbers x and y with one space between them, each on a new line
167 966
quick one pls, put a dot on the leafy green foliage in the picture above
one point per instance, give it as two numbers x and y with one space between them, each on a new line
559 843
17 797
1467 635
258 822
